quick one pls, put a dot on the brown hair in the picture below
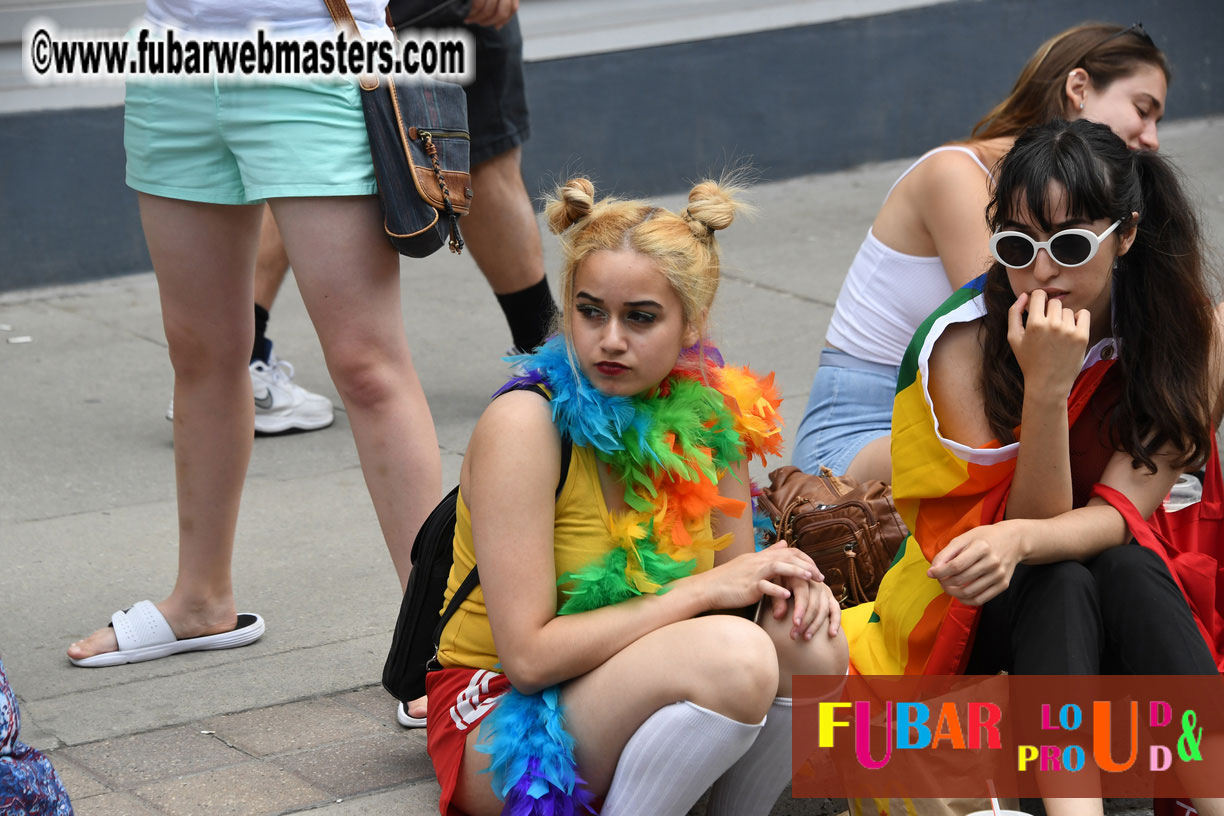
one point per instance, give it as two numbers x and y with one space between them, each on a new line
1161 309
681 245
1107 52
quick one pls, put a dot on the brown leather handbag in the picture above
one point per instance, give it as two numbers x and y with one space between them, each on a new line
850 529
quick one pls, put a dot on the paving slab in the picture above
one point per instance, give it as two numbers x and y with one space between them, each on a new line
252 789
129 762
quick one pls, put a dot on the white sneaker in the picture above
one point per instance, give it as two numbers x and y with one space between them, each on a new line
281 404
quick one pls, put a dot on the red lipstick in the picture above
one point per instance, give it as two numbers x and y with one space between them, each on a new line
610 369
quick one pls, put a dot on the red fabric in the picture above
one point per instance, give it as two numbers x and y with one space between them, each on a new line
1173 807
458 700
1191 543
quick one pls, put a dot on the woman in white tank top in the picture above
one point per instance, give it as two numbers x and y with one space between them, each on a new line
930 236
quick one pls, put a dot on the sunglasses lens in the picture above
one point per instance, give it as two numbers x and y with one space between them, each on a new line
1012 250
1070 250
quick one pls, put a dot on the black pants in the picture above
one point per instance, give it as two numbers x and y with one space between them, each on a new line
1120 613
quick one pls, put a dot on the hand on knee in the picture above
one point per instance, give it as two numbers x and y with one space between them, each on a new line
823 654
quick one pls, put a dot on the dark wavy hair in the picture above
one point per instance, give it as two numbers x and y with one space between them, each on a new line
1162 311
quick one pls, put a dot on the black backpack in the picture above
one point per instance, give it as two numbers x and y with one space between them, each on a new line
414 646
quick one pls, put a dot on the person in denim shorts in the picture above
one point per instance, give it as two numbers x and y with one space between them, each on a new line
928 237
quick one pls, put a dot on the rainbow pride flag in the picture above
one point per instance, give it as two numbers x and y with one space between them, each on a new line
941 489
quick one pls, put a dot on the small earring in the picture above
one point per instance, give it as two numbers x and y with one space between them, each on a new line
1081 105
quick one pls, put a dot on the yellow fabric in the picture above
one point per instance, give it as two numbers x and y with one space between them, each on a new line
580 536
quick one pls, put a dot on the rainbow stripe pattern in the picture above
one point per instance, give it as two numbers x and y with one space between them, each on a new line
941 489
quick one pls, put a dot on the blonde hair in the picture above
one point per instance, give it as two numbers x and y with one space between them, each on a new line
681 245
1107 52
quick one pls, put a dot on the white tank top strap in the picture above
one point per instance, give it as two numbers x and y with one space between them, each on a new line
941 149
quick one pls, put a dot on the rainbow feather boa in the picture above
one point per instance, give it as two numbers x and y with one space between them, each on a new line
668 449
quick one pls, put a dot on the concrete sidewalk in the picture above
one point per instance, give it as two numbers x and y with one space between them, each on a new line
297 721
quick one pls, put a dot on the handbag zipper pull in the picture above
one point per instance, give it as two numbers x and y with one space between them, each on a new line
456 240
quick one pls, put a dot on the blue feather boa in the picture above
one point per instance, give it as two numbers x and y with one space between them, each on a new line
532 755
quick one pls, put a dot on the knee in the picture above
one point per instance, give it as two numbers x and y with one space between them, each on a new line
1069 577
196 355
1123 571
366 376
739 675
820 655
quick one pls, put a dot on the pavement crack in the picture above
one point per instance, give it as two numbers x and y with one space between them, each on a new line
768 287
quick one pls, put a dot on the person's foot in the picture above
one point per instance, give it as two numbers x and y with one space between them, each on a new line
412 714
283 405
184 626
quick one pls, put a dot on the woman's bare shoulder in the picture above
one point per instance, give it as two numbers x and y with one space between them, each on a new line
517 428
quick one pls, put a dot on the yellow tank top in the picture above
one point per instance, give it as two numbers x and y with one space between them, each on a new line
580 536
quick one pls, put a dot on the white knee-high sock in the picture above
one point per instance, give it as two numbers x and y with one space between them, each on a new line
751 786
673 757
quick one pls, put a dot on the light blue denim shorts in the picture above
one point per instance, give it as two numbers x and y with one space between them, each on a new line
232 141
851 404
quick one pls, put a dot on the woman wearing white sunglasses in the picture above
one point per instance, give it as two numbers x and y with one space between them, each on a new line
1029 450
928 239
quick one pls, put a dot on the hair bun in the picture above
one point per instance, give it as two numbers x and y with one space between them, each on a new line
712 206
571 203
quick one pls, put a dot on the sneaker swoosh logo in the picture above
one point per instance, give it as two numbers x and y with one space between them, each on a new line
264 402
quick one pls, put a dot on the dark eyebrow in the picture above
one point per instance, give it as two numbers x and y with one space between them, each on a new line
634 304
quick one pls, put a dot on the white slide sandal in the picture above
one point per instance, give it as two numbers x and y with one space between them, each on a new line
143 634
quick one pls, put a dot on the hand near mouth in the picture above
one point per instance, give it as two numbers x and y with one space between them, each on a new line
1050 344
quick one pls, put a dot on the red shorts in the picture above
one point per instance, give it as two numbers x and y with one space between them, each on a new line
458 700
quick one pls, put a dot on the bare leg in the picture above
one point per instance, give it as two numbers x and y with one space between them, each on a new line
820 655
349 278
1073 807
501 229
271 262
203 255
874 461
719 662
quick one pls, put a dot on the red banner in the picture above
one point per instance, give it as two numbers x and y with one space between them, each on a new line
1037 736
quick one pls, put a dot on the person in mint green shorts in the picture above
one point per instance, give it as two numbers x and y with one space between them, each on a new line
203 157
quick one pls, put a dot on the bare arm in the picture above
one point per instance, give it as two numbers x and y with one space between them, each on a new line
978 565
947 194
734 485
1050 349
494 13
510 469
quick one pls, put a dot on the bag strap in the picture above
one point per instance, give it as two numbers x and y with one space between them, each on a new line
342 17
472 579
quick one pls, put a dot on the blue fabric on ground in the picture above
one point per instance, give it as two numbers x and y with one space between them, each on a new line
29 786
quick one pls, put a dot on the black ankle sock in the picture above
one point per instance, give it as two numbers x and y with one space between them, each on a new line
263 346
530 313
